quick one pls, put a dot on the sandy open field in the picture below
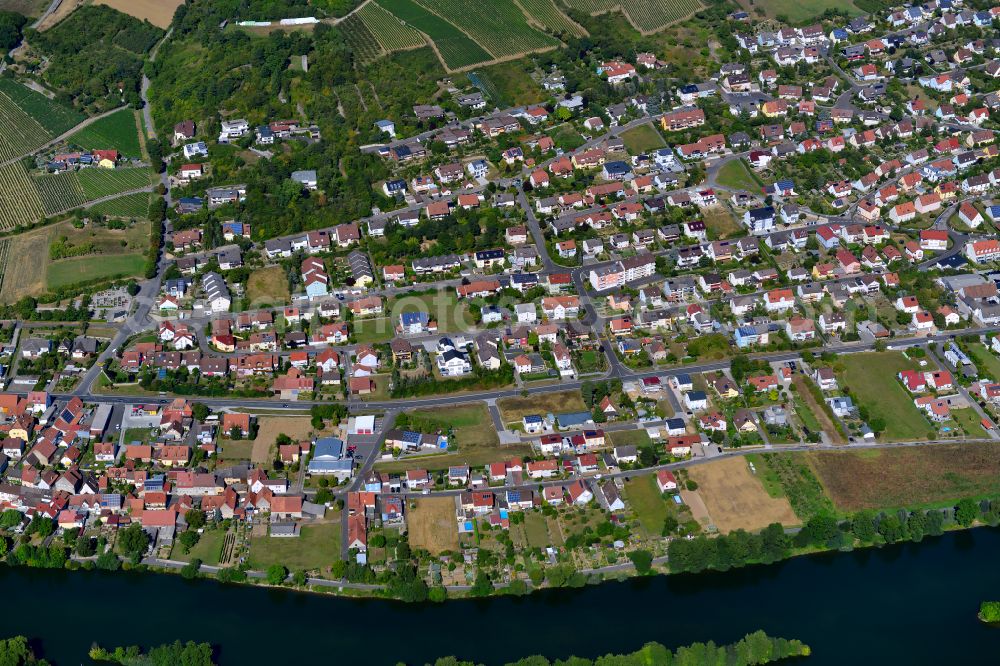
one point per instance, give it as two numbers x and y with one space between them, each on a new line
269 427
431 524
22 277
735 498
158 12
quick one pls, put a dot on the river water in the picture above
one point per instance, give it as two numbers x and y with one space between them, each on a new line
906 604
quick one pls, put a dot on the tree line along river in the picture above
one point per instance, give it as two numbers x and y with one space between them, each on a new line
907 604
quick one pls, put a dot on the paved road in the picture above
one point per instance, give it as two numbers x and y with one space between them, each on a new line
447 400
147 113
53 6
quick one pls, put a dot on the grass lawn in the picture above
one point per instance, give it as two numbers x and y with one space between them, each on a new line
474 441
141 435
235 449
642 139
268 285
372 331
381 391
316 548
736 175
908 477
589 361
985 359
720 222
208 549
514 409
645 499
119 131
451 315
82 269
630 437
970 422
871 377
535 529
806 416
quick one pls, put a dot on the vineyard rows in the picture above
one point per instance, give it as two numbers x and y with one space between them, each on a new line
19 133
54 117
499 26
360 39
19 200
390 32
455 47
128 205
653 15
646 15
59 192
4 251
99 183
546 13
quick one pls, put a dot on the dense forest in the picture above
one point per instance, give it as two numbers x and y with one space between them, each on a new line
96 56
11 24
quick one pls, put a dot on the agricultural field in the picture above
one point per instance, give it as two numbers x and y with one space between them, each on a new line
646 16
871 378
118 131
736 499
546 14
30 271
100 183
791 477
129 205
431 524
800 12
454 47
54 117
499 26
911 476
29 8
514 409
83 269
158 12
19 200
390 33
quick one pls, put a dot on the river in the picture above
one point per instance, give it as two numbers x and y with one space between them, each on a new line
912 604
